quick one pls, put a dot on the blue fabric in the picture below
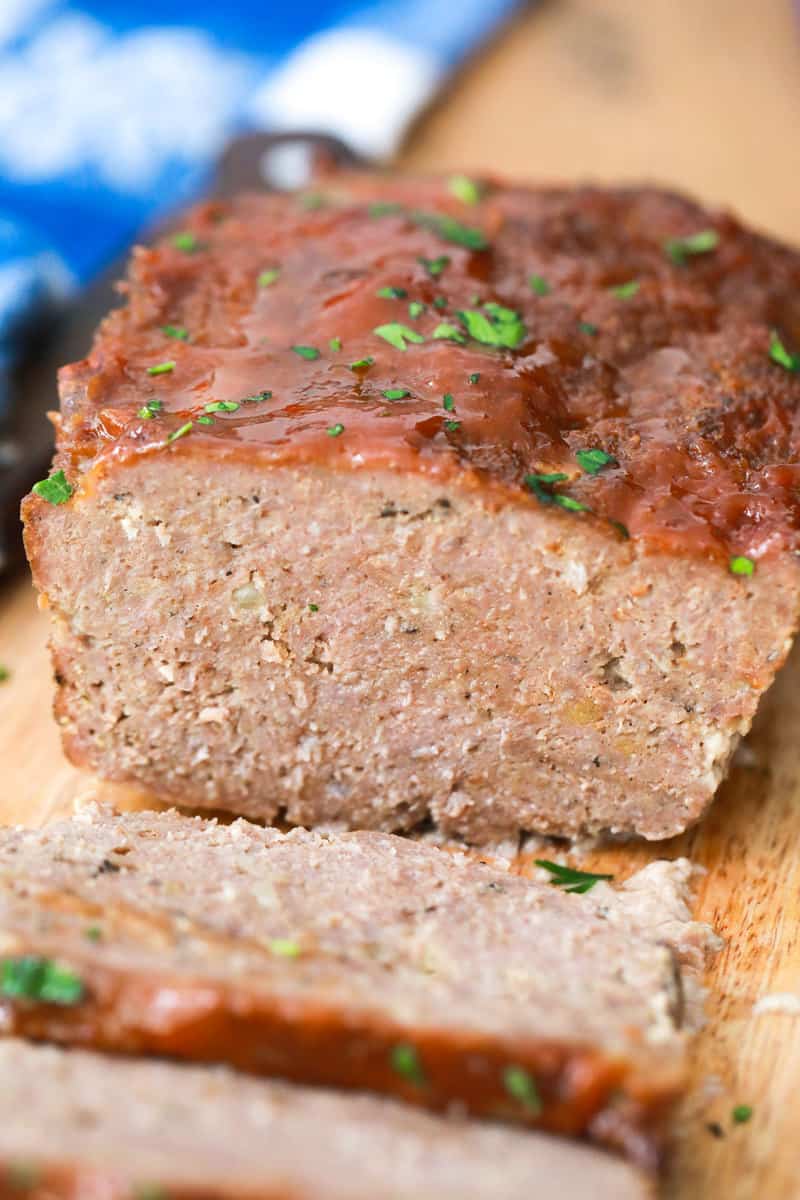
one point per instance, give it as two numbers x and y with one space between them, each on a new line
112 111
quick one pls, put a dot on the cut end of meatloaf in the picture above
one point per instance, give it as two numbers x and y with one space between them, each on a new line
402 509
358 960
78 1124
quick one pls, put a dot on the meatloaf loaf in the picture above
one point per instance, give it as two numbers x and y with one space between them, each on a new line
75 1125
407 499
357 960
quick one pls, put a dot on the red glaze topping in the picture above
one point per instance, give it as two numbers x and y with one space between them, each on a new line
659 357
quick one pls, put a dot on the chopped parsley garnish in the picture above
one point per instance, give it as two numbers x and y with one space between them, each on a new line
311 201
362 364
440 302
205 420
256 398
150 409
5 674
406 1062
335 430
452 426
55 489
780 355
474 377
175 331
542 484
34 978
221 406
521 1086
335 344
621 529
681 249
495 326
268 277
313 608
396 393
742 565
93 933
448 332
571 880
625 291
448 403
392 293
308 352
464 189
588 328
415 309
434 266
384 208
285 947
594 461
570 503
397 335
162 368
451 230
186 241
539 285
741 1114
179 433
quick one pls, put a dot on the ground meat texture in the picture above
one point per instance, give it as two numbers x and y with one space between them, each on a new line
318 567
361 961
77 1124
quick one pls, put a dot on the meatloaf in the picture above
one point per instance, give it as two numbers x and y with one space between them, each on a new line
357 960
423 499
76 1125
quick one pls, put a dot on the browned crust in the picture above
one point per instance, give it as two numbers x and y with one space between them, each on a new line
584 1091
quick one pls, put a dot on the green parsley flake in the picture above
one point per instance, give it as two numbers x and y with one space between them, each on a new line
93 933
34 978
521 1086
392 293
257 398
5 674
150 409
621 529
434 266
681 249
474 377
397 335
268 277
570 503
741 565
205 420
335 345
175 331
452 426
179 433
55 489
384 208
221 406
284 947
162 368
594 461
495 326
362 364
780 355
312 201
571 880
406 1062
415 309
313 608
741 1114
396 393
448 403
539 285
186 241
588 328
451 230
625 291
440 303
308 352
335 430
464 189
448 332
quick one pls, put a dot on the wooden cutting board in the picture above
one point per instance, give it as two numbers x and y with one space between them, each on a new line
706 96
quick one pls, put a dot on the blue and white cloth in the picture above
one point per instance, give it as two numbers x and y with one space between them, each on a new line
112 111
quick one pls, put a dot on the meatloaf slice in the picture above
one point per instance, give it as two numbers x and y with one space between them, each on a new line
379 506
353 960
75 1124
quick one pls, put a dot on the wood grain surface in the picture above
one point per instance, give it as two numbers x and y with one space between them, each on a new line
703 95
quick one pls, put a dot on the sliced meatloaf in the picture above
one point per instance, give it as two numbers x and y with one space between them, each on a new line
75 1125
386 503
358 960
